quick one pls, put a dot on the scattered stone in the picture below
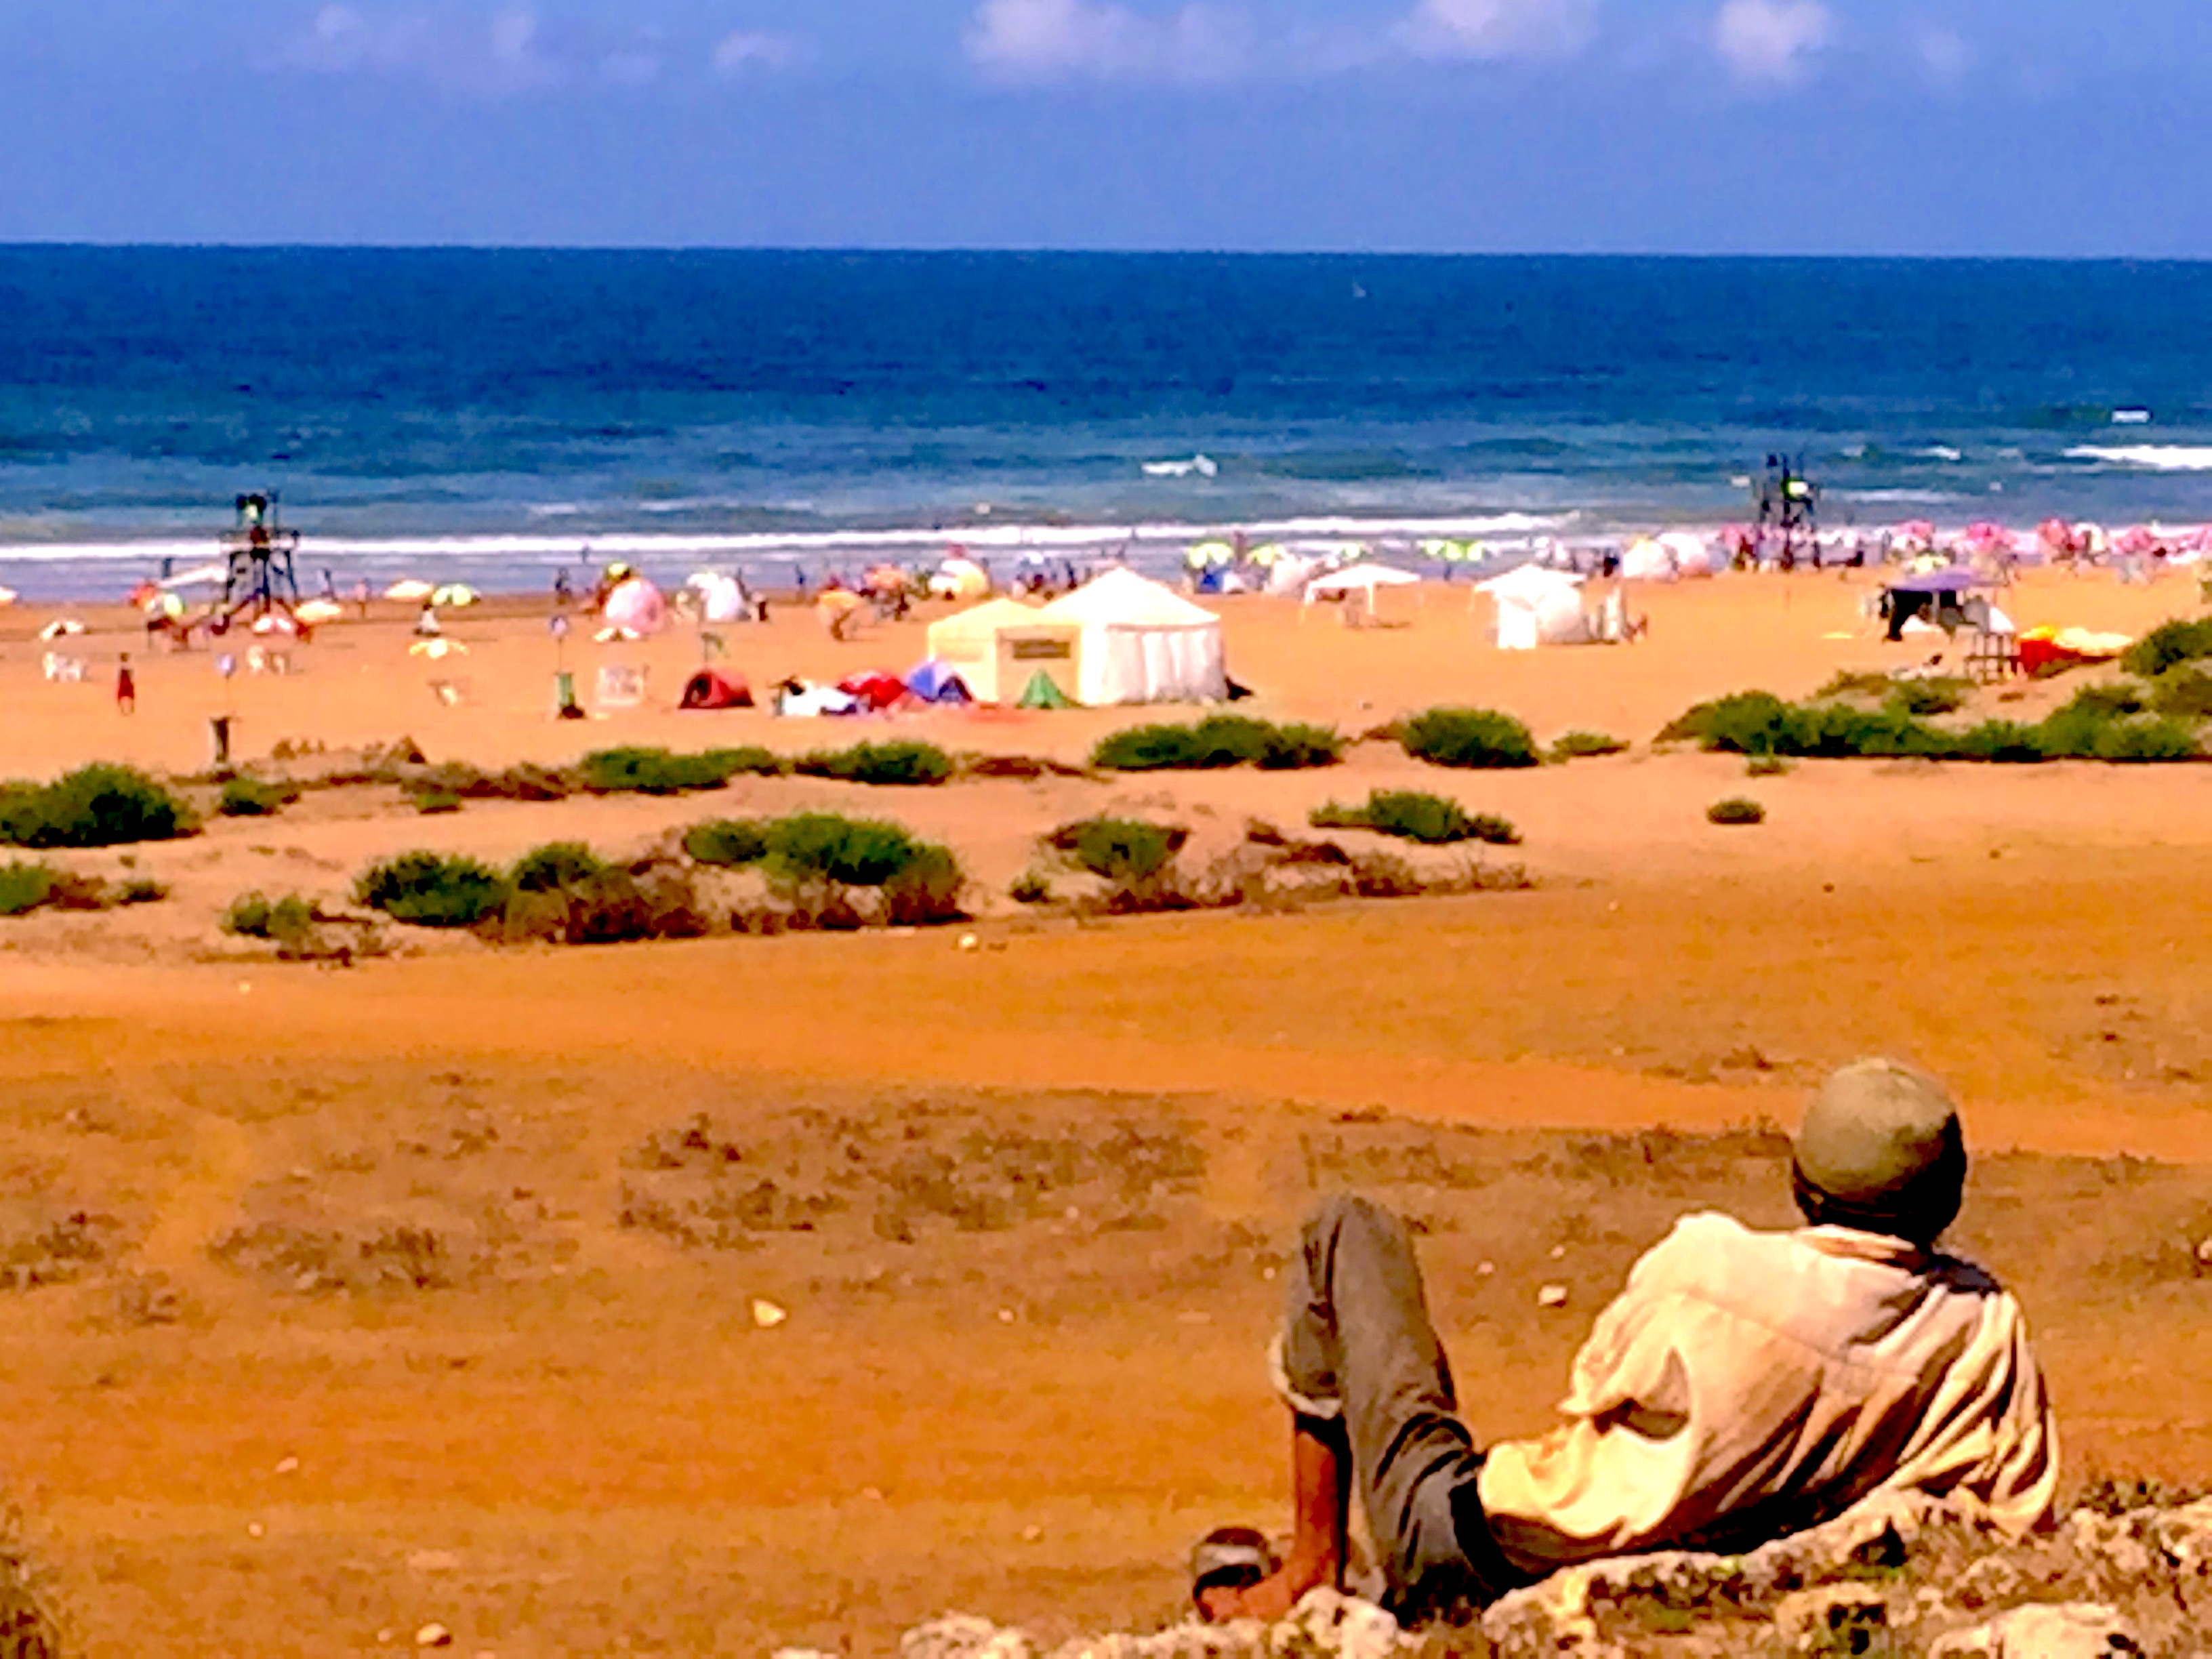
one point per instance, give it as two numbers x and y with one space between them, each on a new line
767 1316
1552 1296
433 1561
434 1635
288 1465
2071 1629
254 1529
1835 1619
1987 1583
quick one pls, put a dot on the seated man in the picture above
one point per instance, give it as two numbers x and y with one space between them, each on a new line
1744 1386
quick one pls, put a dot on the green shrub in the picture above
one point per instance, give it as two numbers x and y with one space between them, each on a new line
1745 723
1300 748
25 887
430 803
2168 645
1587 745
849 852
1477 738
2147 740
896 765
927 892
1930 696
98 805
2107 700
730 843
1217 742
1431 820
141 890
287 920
1031 887
1857 682
615 907
1765 766
432 890
750 761
1125 852
2005 742
650 772
2183 692
1736 810
557 864
250 798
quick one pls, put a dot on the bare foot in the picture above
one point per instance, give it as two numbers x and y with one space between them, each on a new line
1269 1600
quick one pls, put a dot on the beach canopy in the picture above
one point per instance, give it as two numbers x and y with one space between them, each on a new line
713 688
997 647
1537 606
960 578
635 607
320 611
1140 643
410 591
722 598
457 595
1361 578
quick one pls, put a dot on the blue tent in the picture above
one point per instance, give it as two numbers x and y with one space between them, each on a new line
934 681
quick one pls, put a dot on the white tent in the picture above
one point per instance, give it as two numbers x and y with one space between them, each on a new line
1361 577
998 648
1536 607
1141 643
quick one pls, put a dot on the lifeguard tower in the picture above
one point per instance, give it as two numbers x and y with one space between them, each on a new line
1788 505
258 578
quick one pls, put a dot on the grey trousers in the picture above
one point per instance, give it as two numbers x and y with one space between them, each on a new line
1358 1346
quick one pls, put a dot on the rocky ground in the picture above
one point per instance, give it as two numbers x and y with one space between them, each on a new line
1897 1576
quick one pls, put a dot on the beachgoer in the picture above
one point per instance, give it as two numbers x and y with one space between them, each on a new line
126 686
329 585
360 597
564 594
426 625
1743 1386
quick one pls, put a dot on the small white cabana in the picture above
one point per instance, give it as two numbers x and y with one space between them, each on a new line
1536 606
1141 642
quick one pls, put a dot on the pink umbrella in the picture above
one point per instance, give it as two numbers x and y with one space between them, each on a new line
2135 542
636 607
1988 538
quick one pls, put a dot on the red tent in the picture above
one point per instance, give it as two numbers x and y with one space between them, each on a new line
876 689
711 688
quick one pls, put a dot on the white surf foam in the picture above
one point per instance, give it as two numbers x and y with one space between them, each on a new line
2153 458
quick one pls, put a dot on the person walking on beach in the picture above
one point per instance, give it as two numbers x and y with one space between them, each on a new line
126 686
1743 1386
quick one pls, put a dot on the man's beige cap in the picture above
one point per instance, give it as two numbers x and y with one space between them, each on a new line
1874 1130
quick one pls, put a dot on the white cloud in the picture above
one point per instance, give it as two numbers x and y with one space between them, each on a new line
1944 53
1498 29
341 40
1771 42
1096 39
755 49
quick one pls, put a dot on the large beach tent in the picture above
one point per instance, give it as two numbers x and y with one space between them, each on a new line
713 688
997 648
1536 606
635 607
1141 643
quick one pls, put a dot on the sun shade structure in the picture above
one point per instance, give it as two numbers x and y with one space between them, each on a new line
997 648
1139 643
1536 606
636 606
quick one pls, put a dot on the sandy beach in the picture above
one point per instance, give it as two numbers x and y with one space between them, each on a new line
1022 1204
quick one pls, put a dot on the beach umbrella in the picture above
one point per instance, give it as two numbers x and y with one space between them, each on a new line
7 597
457 595
1202 555
410 591
2137 541
169 605
319 610
437 650
1363 577
61 628
274 623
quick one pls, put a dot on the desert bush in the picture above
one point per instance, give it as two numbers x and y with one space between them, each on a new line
1474 737
2005 742
141 890
1587 745
432 803
1123 851
750 761
1031 887
250 798
1431 820
927 892
896 765
1217 741
2107 700
2183 692
1765 766
649 772
1736 810
618 907
289 919
2167 645
24 887
1941 695
1744 723
555 865
847 852
98 805
1857 682
728 843
429 890
1299 748
2092 731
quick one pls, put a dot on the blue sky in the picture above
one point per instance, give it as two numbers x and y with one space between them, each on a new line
2057 127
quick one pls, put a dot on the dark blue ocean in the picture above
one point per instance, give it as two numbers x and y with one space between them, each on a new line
487 415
